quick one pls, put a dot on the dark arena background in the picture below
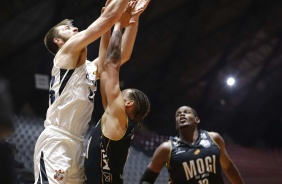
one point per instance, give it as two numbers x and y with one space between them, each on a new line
184 52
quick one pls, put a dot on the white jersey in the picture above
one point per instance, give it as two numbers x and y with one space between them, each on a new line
71 100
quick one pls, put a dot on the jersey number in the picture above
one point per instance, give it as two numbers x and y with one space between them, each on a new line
204 181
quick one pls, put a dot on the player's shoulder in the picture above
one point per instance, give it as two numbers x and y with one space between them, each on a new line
165 145
213 135
217 138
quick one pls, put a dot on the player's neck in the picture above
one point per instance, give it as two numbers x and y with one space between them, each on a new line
189 136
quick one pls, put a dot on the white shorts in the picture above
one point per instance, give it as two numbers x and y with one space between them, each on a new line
58 159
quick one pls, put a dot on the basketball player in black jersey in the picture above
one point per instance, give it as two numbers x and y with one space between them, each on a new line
194 157
109 142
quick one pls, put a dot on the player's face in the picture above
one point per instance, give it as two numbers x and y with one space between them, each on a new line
185 118
67 31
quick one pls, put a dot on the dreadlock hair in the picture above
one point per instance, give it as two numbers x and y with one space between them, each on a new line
142 105
53 33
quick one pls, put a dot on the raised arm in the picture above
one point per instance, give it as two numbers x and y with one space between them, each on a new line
113 11
227 164
135 8
126 40
109 68
114 119
129 35
104 42
112 59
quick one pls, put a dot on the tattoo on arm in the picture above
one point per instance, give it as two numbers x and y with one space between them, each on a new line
114 48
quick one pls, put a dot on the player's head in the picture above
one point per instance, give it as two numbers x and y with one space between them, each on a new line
186 116
140 106
58 35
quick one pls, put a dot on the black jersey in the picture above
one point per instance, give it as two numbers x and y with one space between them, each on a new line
195 164
106 158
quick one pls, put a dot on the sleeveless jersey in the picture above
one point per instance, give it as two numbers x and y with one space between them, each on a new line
71 100
106 158
195 164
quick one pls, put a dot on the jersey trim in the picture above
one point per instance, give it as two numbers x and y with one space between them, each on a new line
213 140
64 78
168 162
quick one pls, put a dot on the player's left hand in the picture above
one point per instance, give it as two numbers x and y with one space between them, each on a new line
127 15
140 6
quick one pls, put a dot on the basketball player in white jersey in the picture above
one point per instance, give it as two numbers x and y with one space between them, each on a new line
58 156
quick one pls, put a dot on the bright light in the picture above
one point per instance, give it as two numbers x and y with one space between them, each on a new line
230 81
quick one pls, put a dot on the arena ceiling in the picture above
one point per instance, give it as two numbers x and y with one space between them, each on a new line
184 51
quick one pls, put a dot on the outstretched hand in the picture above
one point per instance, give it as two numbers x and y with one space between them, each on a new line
127 15
140 6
